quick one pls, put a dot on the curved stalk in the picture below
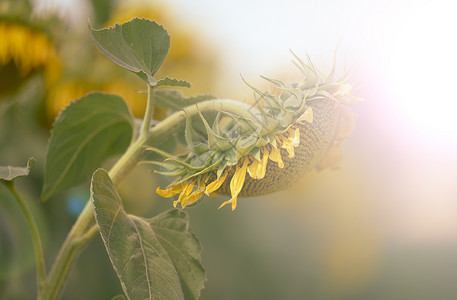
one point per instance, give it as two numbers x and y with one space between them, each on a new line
85 228
38 250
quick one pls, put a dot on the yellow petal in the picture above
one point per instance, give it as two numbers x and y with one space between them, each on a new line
237 182
264 163
216 183
258 168
231 201
252 169
306 116
292 141
192 198
186 192
197 194
275 155
344 90
173 190
295 137
290 149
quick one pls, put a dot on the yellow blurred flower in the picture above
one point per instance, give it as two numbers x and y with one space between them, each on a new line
25 51
64 93
190 56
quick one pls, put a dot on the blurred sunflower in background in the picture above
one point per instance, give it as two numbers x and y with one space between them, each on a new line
26 49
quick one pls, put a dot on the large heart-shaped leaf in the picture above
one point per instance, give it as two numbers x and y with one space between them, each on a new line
157 258
139 45
9 173
86 133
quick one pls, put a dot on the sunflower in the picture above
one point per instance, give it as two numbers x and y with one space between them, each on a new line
288 134
25 51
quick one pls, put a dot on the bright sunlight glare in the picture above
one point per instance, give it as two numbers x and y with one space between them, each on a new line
423 64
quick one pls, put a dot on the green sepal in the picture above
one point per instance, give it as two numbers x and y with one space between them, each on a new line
200 148
201 161
275 81
221 168
200 173
294 101
194 140
245 145
162 164
174 173
211 167
231 156
324 94
269 122
287 118
243 125
215 142
171 158
216 124
262 141
270 100
308 71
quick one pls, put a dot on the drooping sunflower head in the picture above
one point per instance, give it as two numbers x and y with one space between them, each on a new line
284 136
24 51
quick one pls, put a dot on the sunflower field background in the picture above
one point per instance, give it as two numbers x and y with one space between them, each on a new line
383 226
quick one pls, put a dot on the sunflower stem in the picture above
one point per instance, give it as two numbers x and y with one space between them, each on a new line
39 258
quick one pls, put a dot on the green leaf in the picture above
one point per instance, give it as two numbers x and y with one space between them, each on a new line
172 230
139 45
153 258
86 133
118 297
9 173
167 81
175 100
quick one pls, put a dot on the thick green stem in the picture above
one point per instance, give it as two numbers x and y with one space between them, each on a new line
39 259
68 254
85 228
144 131
134 153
